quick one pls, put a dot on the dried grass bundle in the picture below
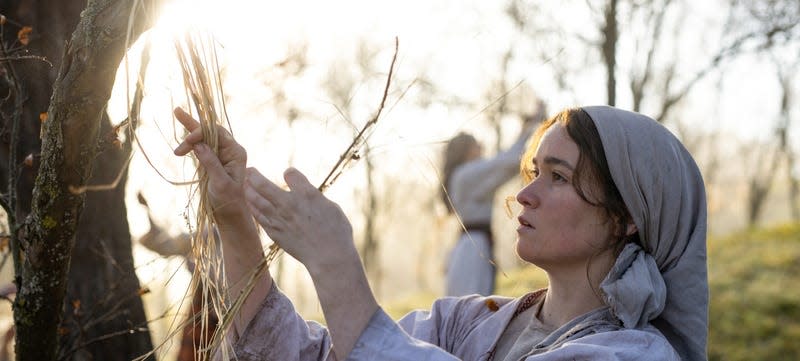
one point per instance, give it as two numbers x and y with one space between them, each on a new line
202 82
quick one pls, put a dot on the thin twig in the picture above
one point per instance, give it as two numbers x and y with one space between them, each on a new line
360 138
26 57
13 166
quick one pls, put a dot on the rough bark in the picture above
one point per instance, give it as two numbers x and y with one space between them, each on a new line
87 65
370 248
610 37
103 312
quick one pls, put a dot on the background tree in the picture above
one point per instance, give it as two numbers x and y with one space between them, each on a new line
78 295
342 85
771 29
643 50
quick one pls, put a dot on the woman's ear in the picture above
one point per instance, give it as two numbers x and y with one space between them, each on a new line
631 229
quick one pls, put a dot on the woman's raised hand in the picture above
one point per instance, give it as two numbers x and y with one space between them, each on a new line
226 169
315 231
306 224
240 241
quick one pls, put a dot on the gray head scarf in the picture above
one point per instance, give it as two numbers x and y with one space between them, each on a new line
662 280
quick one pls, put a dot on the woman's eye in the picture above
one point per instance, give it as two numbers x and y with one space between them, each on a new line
558 178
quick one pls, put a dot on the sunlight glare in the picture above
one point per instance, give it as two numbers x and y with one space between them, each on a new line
179 16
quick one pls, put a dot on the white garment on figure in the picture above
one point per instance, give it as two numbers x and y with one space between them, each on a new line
471 270
473 184
472 190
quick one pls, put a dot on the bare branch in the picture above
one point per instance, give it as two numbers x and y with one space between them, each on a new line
24 57
638 82
360 138
734 48
10 201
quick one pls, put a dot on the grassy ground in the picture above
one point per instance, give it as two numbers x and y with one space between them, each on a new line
755 294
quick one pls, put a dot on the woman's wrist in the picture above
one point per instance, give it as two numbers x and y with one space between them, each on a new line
334 263
347 301
240 236
231 210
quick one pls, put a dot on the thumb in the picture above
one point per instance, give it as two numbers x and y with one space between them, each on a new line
210 161
297 181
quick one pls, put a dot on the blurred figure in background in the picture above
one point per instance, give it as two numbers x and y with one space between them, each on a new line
7 292
470 182
160 241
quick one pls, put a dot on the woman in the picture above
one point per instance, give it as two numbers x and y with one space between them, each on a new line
471 182
622 242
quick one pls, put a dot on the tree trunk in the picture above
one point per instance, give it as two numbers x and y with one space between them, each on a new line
104 316
610 36
370 249
102 291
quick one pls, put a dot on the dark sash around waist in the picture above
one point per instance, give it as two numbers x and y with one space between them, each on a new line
485 228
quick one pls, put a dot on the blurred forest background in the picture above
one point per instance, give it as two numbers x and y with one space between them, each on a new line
300 79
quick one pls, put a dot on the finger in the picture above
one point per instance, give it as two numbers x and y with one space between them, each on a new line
194 137
261 208
224 137
265 187
182 149
195 132
297 181
188 122
229 148
260 218
210 162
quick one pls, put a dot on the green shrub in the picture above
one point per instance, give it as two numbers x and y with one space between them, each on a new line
755 295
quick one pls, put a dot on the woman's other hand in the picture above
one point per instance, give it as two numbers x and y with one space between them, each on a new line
315 231
306 224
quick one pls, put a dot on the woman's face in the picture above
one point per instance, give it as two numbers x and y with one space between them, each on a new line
557 228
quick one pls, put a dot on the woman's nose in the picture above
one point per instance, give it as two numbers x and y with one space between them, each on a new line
526 196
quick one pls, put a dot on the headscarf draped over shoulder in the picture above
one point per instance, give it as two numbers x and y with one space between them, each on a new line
663 279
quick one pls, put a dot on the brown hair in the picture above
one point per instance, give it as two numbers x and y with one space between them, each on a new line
592 169
455 154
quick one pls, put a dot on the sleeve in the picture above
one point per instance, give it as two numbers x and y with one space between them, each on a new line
483 177
624 345
421 335
278 332
383 339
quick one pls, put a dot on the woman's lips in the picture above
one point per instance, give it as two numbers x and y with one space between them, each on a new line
523 222
524 226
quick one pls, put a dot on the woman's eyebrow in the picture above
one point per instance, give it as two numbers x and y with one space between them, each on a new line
556 161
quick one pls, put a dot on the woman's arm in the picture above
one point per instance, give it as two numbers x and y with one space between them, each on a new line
241 245
479 179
